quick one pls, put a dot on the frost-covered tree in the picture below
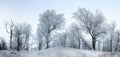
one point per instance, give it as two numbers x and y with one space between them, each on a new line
71 38
3 45
117 42
64 39
112 34
75 33
9 30
91 23
39 37
48 22
27 32
59 40
22 34
114 37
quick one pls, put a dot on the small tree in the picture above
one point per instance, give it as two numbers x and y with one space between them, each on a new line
22 33
75 32
3 45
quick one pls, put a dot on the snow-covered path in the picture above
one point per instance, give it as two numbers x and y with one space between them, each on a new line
59 52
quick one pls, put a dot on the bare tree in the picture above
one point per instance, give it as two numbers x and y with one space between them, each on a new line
10 31
49 21
91 23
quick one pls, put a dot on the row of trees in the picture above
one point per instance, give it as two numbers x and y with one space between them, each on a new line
50 33
103 36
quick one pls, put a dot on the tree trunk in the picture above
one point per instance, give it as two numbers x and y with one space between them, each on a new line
93 43
40 46
40 43
18 42
11 39
117 43
64 41
27 42
111 45
47 41
79 42
99 46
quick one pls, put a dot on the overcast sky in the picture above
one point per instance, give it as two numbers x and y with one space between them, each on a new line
29 10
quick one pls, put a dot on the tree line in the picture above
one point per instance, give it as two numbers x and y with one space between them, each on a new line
103 36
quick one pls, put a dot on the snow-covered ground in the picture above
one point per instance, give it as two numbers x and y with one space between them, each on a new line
58 52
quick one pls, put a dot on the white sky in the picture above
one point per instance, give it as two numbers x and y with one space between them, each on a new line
28 10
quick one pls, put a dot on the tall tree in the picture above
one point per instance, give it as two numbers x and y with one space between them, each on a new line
48 22
91 23
9 30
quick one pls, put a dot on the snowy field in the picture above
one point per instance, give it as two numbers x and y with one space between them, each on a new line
58 52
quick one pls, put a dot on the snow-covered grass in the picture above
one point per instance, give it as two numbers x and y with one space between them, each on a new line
58 52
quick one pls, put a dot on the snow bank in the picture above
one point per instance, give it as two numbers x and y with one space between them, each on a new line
58 52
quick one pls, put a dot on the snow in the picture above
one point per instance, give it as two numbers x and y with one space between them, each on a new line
58 52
